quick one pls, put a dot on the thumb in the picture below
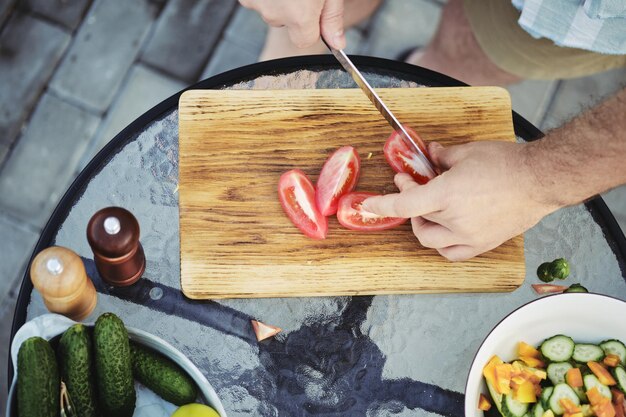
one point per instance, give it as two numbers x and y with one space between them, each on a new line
331 24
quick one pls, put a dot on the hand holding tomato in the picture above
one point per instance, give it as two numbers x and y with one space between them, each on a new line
486 195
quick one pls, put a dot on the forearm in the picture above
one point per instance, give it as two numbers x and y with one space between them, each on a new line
584 157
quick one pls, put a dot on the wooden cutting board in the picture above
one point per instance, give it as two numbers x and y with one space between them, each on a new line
235 240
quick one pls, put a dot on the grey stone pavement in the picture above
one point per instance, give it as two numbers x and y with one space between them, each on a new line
73 73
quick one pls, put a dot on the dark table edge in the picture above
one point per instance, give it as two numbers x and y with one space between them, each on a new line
523 128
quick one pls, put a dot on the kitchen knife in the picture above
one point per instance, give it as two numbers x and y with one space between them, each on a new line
356 75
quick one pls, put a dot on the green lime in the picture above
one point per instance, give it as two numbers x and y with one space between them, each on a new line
195 410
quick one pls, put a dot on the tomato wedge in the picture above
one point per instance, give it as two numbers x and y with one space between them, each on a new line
339 176
297 196
548 288
403 159
351 216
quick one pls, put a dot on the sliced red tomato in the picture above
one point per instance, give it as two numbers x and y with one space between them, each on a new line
403 159
352 216
339 176
548 288
297 196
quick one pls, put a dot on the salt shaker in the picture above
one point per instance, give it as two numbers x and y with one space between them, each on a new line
113 234
59 275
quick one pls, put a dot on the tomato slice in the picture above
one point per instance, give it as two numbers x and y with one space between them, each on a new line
548 288
339 176
403 159
297 196
351 216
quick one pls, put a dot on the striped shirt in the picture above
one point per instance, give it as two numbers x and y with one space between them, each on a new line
593 25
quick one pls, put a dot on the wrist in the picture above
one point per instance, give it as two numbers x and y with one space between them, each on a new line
542 180
580 159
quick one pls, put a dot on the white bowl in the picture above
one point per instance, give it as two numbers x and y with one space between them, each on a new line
206 391
584 317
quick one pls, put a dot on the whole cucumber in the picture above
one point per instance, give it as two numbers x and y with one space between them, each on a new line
38 383
77 369
162 376
114 373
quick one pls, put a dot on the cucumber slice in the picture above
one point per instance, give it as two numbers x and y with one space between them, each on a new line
584 352
492 412
616 348
558 348
581 394
537 410
556 371
620 376
562 391
591 381
513 408
545 397
495 396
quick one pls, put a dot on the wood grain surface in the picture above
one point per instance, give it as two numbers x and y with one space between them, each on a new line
235 239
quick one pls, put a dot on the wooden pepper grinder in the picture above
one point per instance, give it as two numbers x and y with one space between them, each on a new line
59 276
113 234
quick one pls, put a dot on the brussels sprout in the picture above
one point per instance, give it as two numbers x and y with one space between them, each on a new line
543 272
576 288
559 268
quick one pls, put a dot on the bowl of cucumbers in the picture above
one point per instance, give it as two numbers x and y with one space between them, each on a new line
560 355
66 369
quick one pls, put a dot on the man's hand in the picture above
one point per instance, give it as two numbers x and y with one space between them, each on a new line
485 196
305 20
491 191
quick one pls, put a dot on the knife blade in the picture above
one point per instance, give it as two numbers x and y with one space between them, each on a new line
360 80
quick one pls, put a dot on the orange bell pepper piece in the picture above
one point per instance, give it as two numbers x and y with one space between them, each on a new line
574 378
489 371
595 397
524 349
618 403
600 371
538 390
484 403
539 374
532 362
503 378
518 380
569 406
611 360
525 393
604 409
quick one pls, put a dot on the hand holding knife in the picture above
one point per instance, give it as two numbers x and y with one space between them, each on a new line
356 75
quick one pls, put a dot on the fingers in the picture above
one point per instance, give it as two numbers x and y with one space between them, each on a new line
444 158
404 182
412 202
304 34
432 235
331 23
458 253
302 19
